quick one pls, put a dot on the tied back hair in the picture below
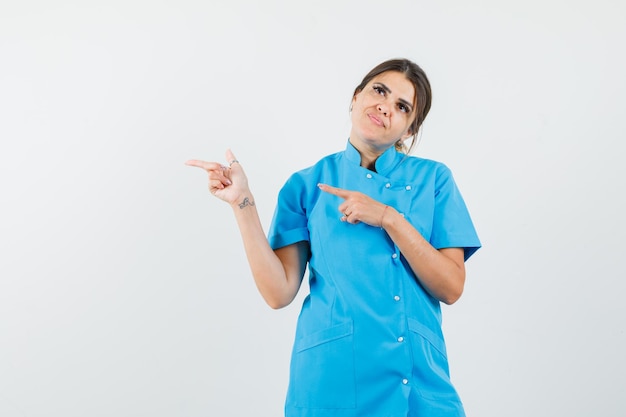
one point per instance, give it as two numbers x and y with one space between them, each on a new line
423 94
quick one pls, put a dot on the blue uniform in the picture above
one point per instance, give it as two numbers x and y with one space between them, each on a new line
368 340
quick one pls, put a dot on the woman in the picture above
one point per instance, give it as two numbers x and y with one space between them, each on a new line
385 236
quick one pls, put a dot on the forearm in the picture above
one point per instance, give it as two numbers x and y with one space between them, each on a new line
275 285
277 274
442 273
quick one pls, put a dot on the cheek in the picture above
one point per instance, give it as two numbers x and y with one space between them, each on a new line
357 106
356 117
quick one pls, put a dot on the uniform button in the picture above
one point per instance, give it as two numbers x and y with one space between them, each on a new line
394 256
387 185
405 381
369 175
408 187
401 339
396 297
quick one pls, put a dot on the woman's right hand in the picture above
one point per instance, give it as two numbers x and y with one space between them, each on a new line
228 183
277 274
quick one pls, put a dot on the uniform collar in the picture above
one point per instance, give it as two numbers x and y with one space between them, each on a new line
385 162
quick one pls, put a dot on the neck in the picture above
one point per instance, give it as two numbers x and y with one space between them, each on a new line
368 161
368 155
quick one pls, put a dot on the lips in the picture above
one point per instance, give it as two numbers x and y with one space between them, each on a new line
376 120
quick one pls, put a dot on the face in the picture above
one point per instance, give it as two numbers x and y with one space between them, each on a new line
382 112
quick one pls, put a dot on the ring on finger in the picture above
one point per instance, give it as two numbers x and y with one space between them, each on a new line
233 161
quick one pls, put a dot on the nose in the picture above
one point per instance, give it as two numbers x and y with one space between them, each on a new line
383 109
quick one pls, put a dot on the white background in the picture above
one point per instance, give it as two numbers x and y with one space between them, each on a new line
124 289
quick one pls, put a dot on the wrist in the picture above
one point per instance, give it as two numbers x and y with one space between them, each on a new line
388 217
382 217
243 202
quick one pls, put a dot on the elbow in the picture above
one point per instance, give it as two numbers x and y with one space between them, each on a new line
452 276
276 303
453 292
454 287
451 297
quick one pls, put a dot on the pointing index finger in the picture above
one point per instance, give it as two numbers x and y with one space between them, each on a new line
339 192
203 164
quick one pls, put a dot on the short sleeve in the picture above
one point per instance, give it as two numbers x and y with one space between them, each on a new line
289 224
452 224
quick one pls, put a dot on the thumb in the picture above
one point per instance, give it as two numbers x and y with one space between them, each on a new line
230 157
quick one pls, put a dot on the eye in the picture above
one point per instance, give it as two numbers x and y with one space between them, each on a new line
404 108
379 90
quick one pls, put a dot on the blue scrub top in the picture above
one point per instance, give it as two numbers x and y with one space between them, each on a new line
368 340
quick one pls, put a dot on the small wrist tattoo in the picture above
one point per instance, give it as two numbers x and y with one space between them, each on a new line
246 202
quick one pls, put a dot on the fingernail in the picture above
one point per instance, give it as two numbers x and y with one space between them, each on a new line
229 182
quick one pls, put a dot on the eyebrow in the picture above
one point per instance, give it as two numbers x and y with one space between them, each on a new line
403 101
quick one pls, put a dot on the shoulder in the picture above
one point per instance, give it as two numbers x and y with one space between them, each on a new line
325 162
420 167
314 171
304 182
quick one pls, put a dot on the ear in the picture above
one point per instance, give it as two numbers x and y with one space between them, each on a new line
407 134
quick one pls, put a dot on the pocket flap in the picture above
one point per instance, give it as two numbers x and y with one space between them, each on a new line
435 340
323 336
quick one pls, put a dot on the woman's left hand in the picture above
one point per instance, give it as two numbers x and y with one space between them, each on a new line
357 207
